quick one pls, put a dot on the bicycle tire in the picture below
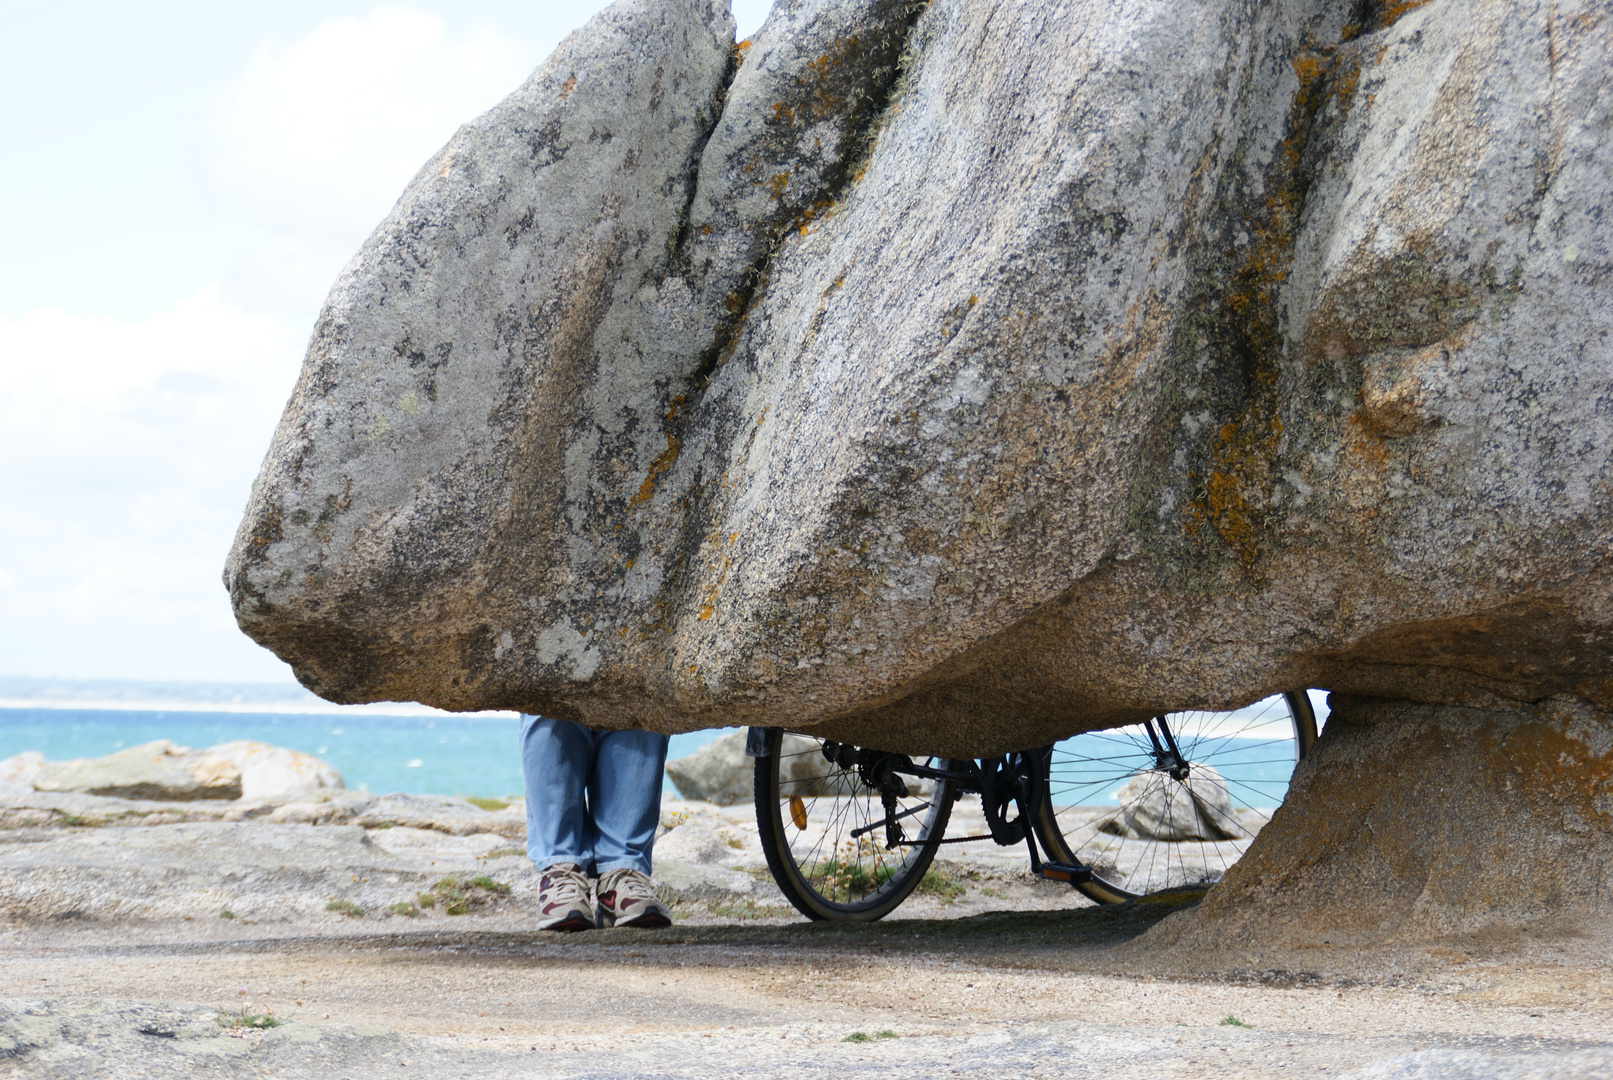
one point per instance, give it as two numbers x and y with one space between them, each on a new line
807 805
1128 847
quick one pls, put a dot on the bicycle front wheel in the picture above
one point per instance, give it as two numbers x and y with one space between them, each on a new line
832 847
1173 803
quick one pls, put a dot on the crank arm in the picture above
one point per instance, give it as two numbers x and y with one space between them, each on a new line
883 822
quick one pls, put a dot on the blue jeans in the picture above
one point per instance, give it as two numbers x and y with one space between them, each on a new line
592 797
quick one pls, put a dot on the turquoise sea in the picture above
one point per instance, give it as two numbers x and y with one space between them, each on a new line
443 754
421 754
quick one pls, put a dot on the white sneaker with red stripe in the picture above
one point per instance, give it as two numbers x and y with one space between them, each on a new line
627 898
563 899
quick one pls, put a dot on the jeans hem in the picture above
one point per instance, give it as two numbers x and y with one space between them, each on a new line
556 860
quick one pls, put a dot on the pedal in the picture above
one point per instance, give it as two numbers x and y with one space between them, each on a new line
1066 872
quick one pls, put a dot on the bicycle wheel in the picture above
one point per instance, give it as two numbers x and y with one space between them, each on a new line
835 850
1174 802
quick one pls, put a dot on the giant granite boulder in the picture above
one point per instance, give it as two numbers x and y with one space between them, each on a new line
953 378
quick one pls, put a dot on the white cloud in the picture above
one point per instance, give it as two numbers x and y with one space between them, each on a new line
128 452
128 448
325 132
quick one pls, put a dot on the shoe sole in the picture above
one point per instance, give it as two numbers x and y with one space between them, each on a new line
648 921
571 924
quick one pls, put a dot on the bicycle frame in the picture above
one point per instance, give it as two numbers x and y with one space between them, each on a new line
1002 782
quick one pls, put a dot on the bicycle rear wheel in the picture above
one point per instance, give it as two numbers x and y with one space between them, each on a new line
1171 806
827 835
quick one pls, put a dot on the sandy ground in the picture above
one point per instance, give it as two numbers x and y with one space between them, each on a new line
1054 993
1007 977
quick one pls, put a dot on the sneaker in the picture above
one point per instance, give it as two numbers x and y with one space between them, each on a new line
563 899
626 898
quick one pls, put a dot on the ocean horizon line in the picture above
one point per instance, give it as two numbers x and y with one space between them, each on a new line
180 695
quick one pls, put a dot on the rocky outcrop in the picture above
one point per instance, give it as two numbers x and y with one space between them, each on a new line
165 771
19 770
1080 362
160 770
720 773
269 771
1410 821
1157 807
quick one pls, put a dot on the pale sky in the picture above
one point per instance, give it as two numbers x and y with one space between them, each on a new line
183 183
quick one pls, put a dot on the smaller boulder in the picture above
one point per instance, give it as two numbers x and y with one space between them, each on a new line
20 769
160 770
270 771
720 773
1155 807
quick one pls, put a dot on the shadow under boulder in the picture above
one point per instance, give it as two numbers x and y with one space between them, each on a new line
1412 821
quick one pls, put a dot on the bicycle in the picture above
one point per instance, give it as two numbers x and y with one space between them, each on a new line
849 831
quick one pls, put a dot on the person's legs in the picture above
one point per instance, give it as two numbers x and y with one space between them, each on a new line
557 757
624 797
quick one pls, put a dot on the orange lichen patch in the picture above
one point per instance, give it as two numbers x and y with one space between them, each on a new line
775 185
705 613
1366 441
661 464
1344 89
1543 758
740 49
567 87
1238 480
1391 12
1235 487
665 459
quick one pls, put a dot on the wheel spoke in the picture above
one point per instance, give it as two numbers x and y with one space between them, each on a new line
1165 833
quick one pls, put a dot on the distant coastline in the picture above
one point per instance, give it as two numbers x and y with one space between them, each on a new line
29 692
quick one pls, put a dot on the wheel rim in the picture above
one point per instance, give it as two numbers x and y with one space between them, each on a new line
840 874
1147 817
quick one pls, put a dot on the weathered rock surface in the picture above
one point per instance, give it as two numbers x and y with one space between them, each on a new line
1098 361
159 770
1412 821
103 858
165 771
268 771
19 770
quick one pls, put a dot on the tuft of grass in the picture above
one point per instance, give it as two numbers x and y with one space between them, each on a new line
842 880
346 907
490 805
744 909
406 909
1232 1021
857 1036
226 914
501 853
244 1019
938 884
78 821
458 895
886 1034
